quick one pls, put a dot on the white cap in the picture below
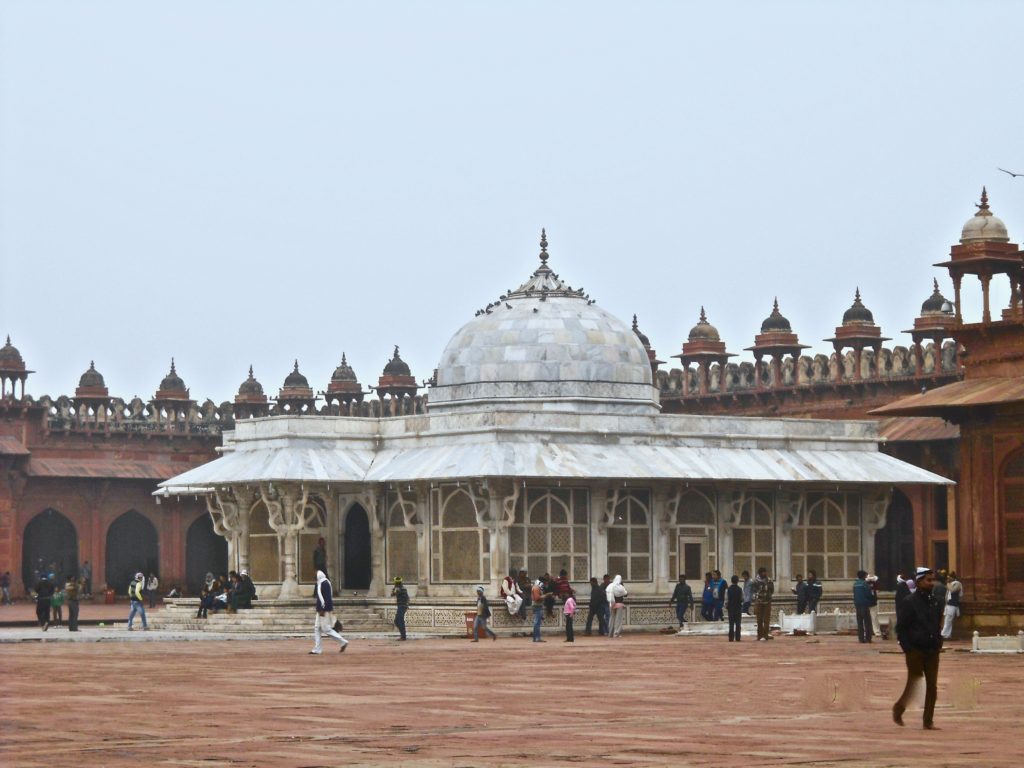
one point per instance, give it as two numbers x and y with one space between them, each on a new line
921 571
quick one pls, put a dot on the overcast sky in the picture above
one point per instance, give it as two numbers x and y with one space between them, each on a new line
250 182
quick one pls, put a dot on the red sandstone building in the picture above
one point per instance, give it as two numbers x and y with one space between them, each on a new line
80 470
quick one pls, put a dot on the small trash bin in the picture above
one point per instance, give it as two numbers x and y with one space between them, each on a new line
108 596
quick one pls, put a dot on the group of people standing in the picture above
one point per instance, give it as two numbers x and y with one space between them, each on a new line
721 600
51 597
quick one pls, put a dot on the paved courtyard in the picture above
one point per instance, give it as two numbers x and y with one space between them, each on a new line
643 700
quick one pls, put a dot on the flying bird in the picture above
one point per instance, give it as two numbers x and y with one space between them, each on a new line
1015 175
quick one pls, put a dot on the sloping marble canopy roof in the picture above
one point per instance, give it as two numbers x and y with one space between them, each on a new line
554 446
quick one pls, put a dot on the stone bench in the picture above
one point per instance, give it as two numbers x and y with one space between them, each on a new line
998 643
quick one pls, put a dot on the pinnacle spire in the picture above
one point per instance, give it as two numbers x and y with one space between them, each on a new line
173 372
296 366
935 284
983 206
543 246
775 305
343 360
703 316
250 371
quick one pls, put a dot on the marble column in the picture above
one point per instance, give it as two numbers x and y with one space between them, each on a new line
875 510
598 530
663 527
790 508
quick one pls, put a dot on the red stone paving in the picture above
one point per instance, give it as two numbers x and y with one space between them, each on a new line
642 700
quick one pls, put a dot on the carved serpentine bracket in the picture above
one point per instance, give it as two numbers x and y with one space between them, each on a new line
734 509
223 511
793 507
669 517
876 507
410 509
608 518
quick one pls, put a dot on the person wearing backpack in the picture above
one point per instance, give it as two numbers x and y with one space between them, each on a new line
136 594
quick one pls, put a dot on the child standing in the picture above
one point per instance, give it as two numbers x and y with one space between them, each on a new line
569 610
57 607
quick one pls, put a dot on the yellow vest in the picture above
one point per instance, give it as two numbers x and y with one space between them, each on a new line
135 590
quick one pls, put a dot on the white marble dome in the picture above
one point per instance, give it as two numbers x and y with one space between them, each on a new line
545 345
984 226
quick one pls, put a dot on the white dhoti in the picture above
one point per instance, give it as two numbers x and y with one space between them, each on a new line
873 610
513 602
950 612
324 625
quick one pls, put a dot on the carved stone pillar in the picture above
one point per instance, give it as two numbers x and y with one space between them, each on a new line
373 503
730 508
666 506
423 539
290 514
876 507
496 511
790 511
245 497
598 531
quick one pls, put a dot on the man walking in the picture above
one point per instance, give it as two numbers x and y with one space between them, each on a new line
617 600
598 603
863 599
763 590
324 622
136 594
537 603
954 589
71 595
401 595
734 606
682 596
44 591
921 641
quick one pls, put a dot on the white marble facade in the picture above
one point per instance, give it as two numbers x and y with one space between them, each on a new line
543 448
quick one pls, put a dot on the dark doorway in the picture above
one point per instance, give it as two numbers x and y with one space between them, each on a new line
357 549
131 547
50 541
894 544
205 551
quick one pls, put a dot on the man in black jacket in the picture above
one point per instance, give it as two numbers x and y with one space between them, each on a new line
682 596
918 630
734 607
597 608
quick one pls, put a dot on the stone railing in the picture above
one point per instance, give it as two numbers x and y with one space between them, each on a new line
137 416
889 364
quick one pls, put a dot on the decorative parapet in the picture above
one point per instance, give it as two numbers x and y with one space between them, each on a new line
810 371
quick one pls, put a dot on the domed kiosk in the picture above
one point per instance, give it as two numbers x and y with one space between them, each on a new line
545 345
543 449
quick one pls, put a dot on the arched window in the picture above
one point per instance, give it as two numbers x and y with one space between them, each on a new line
402 549
1013 516
629 537
551 533
49 542
264 552
753 540
459 549
829 542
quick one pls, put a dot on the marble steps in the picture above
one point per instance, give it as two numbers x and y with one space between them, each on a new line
285 617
